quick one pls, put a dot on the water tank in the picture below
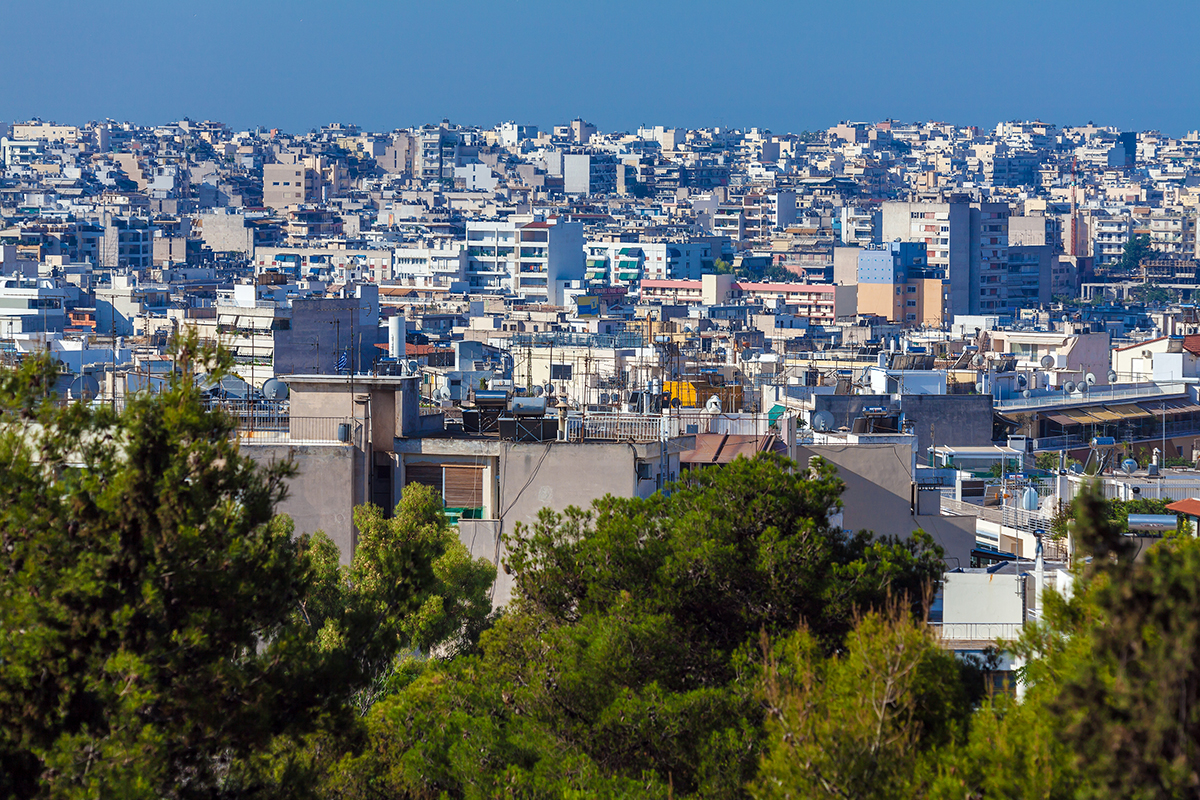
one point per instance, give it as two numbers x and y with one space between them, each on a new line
491 398
1029 499
396 344
527 406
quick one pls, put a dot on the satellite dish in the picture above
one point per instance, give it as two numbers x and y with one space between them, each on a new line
1112 376
1081 387
1026 394
1090 378
84 387
822 421
537 391
1069 387
979 387
413 367
977 360
549 388
713 404
443 393
275 389
676 402
1129 465
1147 354
1047 362
1065 318
1022 380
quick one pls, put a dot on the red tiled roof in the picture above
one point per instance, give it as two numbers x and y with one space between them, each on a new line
1190 506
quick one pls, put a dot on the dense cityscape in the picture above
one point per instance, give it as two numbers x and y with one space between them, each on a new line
981 346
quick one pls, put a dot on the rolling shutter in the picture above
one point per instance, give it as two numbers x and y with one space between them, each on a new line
428 474
464 486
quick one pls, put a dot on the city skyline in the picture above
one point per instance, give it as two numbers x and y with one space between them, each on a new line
784 67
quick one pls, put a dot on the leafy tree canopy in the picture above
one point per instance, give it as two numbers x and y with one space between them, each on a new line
628 661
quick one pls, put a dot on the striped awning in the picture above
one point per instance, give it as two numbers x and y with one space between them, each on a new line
1104 415
1080 416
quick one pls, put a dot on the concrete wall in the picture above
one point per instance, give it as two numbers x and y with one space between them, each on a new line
983 597
321 496
878 496
950 419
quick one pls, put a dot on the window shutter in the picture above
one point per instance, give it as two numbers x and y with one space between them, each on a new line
464 486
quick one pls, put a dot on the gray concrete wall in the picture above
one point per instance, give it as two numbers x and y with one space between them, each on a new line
321 497
878 496
954 420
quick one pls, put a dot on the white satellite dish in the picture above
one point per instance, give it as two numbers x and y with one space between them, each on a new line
977 361
713 404
1081 387
1047 362
443 393
549 388
1069 387
1112 376
822 421
1026 394
537 391
1090 378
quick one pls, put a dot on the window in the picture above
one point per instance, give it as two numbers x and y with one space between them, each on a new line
911 304
560 372
911 317
911 290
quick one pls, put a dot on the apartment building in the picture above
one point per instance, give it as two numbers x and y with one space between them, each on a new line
967 241
894 282
859 226
1110 232
589 173
527 256
622 263
290 185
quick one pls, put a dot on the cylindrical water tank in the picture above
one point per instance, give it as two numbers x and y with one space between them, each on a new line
396 344
1029 499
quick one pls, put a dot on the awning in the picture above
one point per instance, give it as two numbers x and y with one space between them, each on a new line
595 274
1169 407
775 413
1081 416
628 276
630 251
1129 411
598 263
1061 419
627 265
1104 415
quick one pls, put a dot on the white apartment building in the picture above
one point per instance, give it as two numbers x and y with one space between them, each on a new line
1110 232
526 256
860 226
626 263
442 263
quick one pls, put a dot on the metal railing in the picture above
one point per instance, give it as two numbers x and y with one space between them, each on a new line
977 631
1097 394
617 428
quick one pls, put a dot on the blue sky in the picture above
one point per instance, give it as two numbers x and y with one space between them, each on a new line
786 66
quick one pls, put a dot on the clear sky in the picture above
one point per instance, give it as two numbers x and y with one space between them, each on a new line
786 65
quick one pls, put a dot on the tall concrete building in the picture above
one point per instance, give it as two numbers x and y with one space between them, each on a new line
968 240
529 256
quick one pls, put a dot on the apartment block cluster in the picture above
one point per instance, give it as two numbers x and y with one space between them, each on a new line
526 318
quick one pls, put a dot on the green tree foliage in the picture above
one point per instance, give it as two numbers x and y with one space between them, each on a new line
157 625
628 661
867 722
1111 707
1136 249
